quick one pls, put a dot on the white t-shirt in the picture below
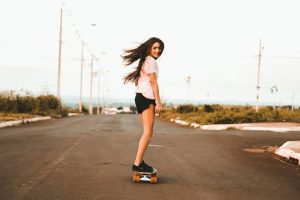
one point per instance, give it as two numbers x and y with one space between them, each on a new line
144 85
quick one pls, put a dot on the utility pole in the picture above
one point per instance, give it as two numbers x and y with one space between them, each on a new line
59 54
81 70
188 81
293 97
103 90
98 96
91 88
207 98
98 104
258 74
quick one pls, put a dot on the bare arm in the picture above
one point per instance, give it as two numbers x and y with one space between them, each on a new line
153 80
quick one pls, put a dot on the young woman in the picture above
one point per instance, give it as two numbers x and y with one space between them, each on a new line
147 97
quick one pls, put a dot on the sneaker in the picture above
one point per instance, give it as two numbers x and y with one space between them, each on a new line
142 167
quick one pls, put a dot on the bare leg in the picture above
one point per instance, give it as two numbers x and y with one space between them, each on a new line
148 117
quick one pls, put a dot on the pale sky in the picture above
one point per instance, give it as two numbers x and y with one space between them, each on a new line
214 42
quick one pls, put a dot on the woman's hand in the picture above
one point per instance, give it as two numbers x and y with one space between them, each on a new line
158 108
153 80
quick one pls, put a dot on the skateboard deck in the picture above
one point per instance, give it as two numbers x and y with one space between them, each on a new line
145 177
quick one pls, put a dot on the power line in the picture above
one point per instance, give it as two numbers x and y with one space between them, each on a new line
283 57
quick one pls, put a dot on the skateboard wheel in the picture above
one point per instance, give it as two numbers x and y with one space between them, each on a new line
136 178
153 179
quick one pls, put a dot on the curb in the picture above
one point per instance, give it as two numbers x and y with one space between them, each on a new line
74 114
243 126
22 121
184 123
290 152
257 128
249 127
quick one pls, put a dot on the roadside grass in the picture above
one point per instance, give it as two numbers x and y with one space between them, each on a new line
218 114
14 116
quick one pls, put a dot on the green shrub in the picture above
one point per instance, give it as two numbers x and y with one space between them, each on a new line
48 102
188 108
64 112
26 104
208 108
10 102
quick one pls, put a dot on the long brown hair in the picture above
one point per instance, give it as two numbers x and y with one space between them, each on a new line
141 52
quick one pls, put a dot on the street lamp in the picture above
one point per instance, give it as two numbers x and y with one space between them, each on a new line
274 90
81 74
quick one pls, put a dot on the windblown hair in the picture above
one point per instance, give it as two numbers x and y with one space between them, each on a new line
141 52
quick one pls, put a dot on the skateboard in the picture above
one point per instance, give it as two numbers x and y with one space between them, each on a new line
145 177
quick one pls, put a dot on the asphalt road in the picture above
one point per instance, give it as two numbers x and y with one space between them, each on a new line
90 157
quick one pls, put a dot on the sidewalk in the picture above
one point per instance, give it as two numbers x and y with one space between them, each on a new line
289 151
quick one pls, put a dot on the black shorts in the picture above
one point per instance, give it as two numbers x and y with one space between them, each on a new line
142 103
